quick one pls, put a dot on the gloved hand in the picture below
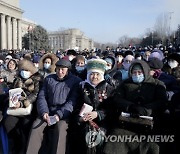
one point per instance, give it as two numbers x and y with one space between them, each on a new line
137 110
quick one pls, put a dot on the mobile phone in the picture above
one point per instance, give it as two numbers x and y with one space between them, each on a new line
52 120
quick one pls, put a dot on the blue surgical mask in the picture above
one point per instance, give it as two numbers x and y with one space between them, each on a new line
46 65
138 78
25 74
80 68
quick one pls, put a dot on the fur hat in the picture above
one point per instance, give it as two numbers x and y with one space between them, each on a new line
27 65
96 65
54 59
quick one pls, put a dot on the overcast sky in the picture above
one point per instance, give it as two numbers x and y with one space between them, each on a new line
102 20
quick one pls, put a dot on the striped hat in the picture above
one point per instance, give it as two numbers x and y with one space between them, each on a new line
96 65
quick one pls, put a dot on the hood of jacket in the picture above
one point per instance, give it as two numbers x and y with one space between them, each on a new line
145 67
54 59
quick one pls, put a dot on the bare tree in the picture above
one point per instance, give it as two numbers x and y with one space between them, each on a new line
125 41
163 26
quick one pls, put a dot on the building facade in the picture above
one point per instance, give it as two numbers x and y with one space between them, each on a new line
69 39
12 25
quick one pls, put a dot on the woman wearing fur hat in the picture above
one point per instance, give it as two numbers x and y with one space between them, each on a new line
18 126
8 75
47 64
95 92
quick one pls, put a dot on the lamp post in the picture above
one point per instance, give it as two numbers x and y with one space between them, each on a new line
170 17
152 41
29 35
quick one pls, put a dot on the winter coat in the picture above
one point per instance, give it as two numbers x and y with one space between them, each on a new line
150 94
98 98
30 87
112 76
58 96
8 76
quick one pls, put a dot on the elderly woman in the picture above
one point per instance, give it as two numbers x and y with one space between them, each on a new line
95 92
18 126
139 95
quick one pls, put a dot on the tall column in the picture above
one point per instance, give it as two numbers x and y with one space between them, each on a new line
19 34
14 31
3 32
9 33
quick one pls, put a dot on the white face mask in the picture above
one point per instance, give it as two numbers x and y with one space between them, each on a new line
25 74
36 65
1 62
173 64
119 59
70 58
108 68
46 65
138 58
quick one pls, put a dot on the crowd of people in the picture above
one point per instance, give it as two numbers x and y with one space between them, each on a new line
77 99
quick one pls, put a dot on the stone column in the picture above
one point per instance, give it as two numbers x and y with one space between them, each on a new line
3 32
19 35
9 33
14 30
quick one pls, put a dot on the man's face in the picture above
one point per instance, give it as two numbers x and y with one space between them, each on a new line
61 71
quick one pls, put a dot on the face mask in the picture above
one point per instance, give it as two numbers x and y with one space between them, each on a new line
36 65
25 74
46 65
79 68
108 68
161 48
126 65
119 59
173 64
70 58
138 78
1 62
138 58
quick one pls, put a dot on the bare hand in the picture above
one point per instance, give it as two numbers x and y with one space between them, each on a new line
46 117
90 116
18 105
57 117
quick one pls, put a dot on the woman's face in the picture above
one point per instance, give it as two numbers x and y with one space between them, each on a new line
80 62
47 61
11 65
95 78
